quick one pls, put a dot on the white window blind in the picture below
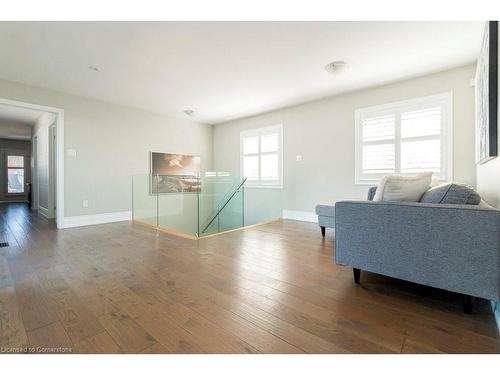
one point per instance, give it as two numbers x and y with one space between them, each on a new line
379 151
261 156
405 138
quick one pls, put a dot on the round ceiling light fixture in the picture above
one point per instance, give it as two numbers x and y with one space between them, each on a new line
189 112
335 67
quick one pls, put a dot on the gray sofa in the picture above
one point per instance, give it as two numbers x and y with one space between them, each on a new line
449 246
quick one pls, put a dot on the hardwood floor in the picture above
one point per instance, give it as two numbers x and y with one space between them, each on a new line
117 288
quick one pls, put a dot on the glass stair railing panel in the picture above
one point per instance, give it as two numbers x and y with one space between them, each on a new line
195 206
144 200
232 215
178 203
220 203
263 205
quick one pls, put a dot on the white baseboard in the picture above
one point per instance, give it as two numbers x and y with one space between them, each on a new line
43 211
83 220
300 215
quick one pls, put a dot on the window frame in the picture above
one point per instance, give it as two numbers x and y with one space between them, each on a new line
443 100
13 153
259 132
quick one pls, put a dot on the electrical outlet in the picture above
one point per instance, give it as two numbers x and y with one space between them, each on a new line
298 158
85 203
71 152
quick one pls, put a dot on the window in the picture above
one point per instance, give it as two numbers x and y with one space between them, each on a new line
406 138
15 174
261 156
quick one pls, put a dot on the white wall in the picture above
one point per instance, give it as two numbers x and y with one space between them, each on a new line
323 133
112 144
42 180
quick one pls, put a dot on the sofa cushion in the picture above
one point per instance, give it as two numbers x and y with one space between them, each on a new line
451 193
325 210
398 188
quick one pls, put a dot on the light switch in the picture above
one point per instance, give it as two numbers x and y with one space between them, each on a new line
298 157
85 203
71 152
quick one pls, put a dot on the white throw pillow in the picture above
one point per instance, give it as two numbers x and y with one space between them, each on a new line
403 188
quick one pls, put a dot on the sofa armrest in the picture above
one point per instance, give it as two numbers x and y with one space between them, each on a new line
453 247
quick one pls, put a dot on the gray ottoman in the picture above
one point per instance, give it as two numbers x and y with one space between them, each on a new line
326 217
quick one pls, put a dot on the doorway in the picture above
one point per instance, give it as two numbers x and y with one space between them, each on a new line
43 163
15 171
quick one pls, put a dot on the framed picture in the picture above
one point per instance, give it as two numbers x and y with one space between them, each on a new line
487 95
174 173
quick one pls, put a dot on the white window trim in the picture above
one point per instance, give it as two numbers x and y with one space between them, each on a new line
445 100
260 132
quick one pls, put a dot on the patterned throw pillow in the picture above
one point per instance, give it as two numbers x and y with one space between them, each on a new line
451 193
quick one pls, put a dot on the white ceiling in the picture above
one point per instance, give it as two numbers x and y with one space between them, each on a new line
226 70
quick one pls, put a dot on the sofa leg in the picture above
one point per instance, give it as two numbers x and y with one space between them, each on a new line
468 304
357 275
323 231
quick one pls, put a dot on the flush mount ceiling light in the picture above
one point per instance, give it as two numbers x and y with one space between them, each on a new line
335 67
189 112
94 68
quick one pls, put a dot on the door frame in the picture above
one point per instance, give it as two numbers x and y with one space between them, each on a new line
34 174
59 152
52 171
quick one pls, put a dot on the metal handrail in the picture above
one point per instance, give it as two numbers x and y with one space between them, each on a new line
225 204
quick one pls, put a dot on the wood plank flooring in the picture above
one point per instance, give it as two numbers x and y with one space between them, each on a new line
119 288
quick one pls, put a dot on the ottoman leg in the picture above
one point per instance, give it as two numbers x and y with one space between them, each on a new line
323 231
357 274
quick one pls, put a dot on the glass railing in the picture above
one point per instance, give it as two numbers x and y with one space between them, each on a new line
192 206
262 204
144 201
221 203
